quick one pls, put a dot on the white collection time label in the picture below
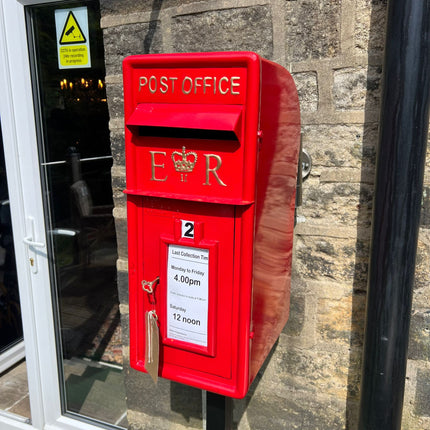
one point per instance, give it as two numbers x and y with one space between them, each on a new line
187 294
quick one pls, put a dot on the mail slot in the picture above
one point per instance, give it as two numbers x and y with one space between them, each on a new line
212 146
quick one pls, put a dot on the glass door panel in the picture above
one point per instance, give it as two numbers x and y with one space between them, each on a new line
10 310
75 163
14 398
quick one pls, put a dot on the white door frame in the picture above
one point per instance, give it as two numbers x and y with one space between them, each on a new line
25 195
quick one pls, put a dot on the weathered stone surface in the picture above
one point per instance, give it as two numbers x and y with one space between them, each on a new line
125 329
419 336
427 166
307 88
341 266
347 175
140 421
122 282
244 29
117 143
173 402
296 319
343 145
293 382
115 7
124 40
293 412
121 237
118 178
340 203
357 88
312 29
422 396
422 264
342 321
115 100
315 371
369 34
118 186
425 208
108 7
416 412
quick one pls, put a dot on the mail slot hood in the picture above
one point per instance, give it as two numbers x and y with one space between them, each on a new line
192 116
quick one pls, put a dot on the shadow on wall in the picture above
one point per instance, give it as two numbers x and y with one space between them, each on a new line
375 50
156 6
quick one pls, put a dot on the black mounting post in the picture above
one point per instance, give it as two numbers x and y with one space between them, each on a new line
396 212
219 412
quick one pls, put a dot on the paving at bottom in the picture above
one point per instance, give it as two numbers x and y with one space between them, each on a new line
94 390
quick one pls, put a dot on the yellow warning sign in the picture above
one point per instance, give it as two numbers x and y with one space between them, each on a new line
72 32
76 55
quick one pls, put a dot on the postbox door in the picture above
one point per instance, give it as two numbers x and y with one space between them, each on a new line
190 246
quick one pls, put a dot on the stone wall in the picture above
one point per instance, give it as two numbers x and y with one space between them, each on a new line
334 50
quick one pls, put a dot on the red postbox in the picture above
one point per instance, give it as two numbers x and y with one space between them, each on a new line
212 146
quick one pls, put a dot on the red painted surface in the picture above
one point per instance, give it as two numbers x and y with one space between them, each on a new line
212 139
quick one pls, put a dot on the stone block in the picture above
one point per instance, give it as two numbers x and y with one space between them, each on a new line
357 88
342 321
296 319
315 371
312 29
427 166
115 100
425 208
244 29
369 31
122 282
124 7
293 412
343 145
120 200
339 203
422 393
307 88
422 264
118 179
121 237
117 144
130 39
115 7
419 336
314 263
125 329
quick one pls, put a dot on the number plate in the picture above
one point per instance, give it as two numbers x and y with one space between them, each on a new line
187 229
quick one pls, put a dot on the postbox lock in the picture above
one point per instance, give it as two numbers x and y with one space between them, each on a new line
148 286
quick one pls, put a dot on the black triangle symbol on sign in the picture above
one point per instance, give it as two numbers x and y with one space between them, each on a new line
72 32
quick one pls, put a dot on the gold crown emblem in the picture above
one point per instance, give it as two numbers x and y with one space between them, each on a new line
184 164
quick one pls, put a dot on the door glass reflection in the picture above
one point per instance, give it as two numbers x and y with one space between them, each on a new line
10 312
14 396
74 148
